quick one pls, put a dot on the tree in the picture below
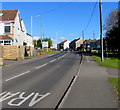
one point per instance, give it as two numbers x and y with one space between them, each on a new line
35 43
112 20
39 44
112 28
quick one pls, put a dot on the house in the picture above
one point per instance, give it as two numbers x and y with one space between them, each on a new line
90 45
26 38
76 44
64 45
12 29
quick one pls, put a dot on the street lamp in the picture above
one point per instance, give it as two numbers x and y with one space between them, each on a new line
31 22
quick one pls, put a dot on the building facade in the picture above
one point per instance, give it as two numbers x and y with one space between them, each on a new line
76 44
64 45
12 29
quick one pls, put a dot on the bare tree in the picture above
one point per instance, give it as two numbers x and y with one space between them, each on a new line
112 20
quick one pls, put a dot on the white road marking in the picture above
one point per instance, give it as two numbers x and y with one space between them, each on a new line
7 95
36 68
34 101
41 66
68 92
62 56
58 58
19 98
17 76
53 60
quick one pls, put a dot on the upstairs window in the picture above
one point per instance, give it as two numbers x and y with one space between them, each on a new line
7 28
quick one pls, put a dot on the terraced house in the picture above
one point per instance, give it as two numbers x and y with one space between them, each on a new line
12 29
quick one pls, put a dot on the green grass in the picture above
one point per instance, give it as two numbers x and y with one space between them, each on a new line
116 83
112 62
49 51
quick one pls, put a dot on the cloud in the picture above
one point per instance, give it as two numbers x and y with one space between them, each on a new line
62 38
36 38
71 35
55 41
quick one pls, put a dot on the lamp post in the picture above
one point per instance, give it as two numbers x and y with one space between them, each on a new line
32 21
31 24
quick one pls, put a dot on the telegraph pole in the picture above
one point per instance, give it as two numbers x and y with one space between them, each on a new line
101 39
31 25
41 33
93 34
83 34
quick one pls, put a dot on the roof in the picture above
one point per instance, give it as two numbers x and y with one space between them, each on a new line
8 15
75 40
5 37
63 42
94 40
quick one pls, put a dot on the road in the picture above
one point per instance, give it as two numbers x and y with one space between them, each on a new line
40 83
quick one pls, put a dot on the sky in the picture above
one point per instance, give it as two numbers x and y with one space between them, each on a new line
62 20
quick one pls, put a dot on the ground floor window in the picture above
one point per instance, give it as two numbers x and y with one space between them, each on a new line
6 42
1 41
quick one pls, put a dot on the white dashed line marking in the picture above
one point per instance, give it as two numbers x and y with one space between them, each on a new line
41 66
17 76
36 68
52 60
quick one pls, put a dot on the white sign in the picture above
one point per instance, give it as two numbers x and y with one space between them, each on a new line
45 44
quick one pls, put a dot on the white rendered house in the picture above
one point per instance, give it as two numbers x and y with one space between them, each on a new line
12 29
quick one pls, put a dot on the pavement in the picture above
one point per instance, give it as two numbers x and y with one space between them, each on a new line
92 88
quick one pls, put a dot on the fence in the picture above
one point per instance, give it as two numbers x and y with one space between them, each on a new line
15 52
12 52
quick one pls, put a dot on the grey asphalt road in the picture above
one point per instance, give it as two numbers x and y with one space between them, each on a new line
40 83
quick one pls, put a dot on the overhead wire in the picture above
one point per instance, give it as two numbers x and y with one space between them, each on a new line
91 16
54 9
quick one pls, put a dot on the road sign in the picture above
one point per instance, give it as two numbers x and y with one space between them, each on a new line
45 44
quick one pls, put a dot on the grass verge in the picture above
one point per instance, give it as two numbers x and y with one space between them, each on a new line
112 62
116 83
48 51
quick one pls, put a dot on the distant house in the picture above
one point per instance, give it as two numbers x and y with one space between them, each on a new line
91 45
12 29
64 45
76 44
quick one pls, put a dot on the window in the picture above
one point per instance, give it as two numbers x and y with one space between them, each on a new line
1 41
8 42
7 28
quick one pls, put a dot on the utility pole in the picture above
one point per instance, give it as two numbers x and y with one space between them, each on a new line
101 39
83 34
31 25
93 34
41 33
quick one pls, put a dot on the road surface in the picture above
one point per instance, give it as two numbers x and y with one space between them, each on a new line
40 83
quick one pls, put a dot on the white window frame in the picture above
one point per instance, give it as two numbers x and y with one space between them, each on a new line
7 24
8 43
